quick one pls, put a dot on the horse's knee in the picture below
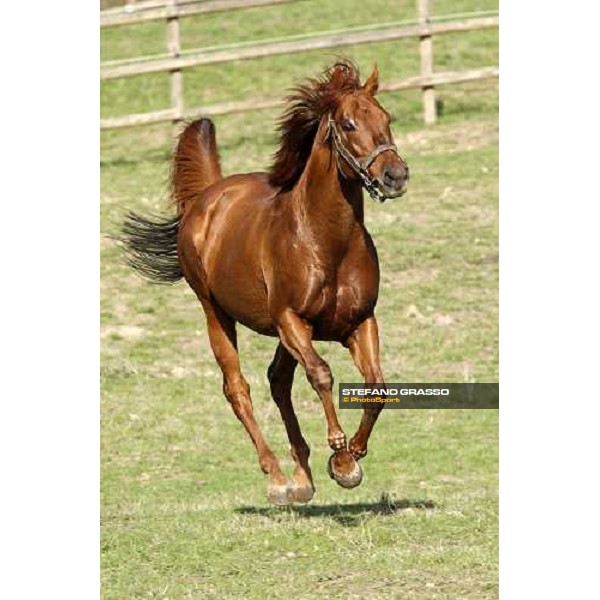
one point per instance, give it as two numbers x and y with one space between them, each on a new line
237 392
319 376
373 374
236 386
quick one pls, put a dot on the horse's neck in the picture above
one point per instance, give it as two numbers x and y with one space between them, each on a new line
327 204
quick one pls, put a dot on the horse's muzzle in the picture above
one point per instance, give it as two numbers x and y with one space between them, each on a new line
389 192
393 182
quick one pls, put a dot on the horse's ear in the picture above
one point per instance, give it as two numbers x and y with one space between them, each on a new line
372 84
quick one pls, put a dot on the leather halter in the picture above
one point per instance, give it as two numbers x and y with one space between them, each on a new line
360 166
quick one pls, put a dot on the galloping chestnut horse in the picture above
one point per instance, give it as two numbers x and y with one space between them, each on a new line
286 253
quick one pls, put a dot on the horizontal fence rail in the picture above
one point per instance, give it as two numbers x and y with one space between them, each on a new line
278 48
137 6
132 15
223 108
177 59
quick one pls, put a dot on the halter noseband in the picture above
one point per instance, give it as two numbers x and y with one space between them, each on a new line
360 166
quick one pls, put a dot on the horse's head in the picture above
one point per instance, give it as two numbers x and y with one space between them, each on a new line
359 129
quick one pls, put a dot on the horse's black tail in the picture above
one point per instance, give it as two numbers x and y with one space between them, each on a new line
150 245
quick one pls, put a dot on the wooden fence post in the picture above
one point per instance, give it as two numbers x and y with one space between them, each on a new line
176 76
426 51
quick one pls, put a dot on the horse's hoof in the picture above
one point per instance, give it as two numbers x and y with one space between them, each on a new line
344 470
278 494
300 493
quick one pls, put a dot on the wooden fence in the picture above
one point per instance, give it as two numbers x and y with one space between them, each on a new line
177 59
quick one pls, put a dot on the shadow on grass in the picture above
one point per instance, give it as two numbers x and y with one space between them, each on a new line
348 515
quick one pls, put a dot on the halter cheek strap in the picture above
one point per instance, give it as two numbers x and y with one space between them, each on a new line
360 166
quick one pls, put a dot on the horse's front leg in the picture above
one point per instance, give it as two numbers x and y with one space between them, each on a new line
364 347
296 336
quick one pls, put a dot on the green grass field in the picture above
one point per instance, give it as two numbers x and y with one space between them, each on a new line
184 511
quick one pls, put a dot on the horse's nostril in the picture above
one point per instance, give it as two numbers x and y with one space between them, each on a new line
389 176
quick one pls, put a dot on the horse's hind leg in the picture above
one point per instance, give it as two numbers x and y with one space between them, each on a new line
223 339
281 377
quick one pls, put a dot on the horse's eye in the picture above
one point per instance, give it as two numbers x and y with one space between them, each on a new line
348 125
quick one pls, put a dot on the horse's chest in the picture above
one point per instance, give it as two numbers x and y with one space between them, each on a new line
337 298
341 305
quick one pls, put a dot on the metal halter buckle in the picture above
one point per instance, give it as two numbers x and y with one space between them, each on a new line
360 166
